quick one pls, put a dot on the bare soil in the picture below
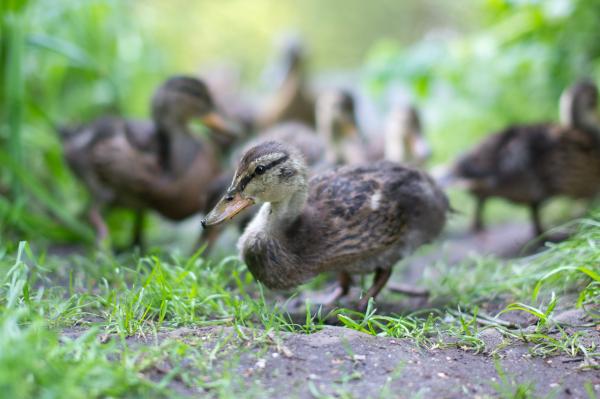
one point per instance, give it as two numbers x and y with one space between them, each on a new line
339 362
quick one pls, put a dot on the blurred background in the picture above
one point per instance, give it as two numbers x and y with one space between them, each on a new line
472 67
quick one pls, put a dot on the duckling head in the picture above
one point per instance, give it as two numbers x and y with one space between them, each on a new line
292 51
336 118
182 98
578 105
269 172
404 139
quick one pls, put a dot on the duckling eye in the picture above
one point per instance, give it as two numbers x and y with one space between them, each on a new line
260 169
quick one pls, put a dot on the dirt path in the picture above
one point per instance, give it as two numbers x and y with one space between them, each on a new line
341 362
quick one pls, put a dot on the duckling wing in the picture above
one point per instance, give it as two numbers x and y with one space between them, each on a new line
128 171
363 211
508 152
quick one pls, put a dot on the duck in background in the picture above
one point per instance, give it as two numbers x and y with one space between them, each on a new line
530 164
352 220
224 81
336 123
578 107
157 165
292 100
403 140
403 136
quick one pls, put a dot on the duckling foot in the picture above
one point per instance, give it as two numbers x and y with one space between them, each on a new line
477 223
534 209
381 278
208 238
340 291
137 236
406 290
99 226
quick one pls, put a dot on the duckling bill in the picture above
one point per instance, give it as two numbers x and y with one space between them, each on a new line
351 220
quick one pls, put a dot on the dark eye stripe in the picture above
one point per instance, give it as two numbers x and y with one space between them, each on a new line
246 179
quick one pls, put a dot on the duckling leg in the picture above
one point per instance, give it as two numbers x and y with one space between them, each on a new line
381 278
407 290
477 225
535 218
209 237
137 238
341 290
99 225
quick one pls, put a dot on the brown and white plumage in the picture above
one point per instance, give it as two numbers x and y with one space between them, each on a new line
530 164
355 219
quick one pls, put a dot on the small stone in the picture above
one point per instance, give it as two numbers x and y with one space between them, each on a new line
261 363
286 351
442 375
359 358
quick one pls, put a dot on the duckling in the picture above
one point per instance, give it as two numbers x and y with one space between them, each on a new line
292 101
404 138
355 219
529 164
336 122
158 165
224 82
578 107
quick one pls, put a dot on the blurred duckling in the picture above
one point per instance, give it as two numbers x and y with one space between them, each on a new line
159 165
336 122
404 139
529 164
224 82
291 101
353 220
578 107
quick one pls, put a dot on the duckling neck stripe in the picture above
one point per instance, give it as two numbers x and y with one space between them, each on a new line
246 179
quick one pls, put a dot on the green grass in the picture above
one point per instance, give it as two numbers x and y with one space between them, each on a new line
57 312
94 324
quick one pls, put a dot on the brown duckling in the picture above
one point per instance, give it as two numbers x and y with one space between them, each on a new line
578 107
292 101
224 81
158 165
404 139
529 164
336 122
356 219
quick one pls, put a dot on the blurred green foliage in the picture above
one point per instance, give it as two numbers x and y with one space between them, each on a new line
511 71
62 63
68 61
473 66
